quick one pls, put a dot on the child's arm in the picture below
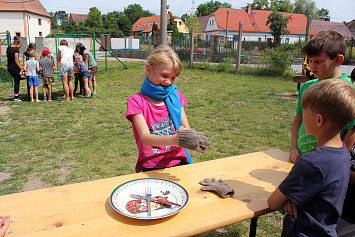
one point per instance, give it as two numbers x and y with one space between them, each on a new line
86 60
4 225
349 139
294 152
151 139
276 200
184 121
59 57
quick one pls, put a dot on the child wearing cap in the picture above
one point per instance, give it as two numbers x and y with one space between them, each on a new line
47 67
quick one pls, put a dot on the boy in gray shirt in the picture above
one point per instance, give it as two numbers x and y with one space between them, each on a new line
47 67
32 68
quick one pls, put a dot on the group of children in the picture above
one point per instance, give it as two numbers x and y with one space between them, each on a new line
313 193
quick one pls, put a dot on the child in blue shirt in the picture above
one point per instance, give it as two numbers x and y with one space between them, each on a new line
314 191
85 74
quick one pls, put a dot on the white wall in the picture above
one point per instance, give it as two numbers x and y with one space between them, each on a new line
34 28
13 22
124 43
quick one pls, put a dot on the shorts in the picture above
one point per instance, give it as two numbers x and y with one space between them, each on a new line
33 80
66 69
86 74
47 80
93 70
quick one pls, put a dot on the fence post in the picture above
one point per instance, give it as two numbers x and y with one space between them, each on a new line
239 47
308 29
192 47
106 53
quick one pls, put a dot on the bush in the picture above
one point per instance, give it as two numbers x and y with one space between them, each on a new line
279 62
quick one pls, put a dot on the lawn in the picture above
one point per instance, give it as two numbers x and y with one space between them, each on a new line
52 143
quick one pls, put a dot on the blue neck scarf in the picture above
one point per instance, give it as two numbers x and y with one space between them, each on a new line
172 101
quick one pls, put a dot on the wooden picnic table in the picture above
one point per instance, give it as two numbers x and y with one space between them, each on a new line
83 209
299 79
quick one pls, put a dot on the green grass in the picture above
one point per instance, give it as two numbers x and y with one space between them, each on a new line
51 143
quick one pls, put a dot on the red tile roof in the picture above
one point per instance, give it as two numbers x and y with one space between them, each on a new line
77 17
256 21
341 28
145 24
32 6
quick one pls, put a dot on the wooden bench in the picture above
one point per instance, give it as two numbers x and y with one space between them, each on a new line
84 209
299 79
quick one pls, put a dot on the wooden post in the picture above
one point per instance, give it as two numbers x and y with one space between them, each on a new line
163 23
239 47
192 47
308 29
227 25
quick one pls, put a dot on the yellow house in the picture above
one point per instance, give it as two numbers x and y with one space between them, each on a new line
143 27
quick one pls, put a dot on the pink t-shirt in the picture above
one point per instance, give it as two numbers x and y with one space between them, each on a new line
160 123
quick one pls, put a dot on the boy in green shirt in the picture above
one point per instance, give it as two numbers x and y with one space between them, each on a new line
325 53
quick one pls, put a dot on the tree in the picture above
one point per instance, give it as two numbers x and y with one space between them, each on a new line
54 23
94 18
324 14
307 7
281 5
155 27
134 12
273 5
206 9
185 17
278 25
172 25
61 16
260 5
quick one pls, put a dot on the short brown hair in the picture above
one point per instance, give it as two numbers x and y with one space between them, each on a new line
332 98
33 53
164 55
63 42
330 42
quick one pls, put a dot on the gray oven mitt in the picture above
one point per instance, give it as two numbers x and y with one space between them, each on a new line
193 140
217 186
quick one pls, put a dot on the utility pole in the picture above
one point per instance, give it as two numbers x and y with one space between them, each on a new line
163 23
308 29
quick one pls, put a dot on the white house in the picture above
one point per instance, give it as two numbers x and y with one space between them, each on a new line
25 18
226 21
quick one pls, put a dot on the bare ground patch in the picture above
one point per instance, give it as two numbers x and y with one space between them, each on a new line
287 95
34 182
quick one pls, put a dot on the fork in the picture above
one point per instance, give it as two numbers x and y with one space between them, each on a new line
148 194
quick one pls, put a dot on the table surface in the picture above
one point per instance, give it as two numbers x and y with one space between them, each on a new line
84 209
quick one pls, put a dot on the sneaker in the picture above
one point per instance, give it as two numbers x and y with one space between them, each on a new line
49 99
45 99
18 99
65 101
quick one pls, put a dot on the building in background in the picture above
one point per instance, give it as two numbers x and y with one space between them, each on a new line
24 18
77 18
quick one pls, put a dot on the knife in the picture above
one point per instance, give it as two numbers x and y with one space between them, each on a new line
155 200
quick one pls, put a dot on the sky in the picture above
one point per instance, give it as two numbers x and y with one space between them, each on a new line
340 10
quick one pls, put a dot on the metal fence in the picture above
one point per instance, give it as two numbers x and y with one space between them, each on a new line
218 48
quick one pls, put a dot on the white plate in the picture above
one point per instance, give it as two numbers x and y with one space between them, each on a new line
177 194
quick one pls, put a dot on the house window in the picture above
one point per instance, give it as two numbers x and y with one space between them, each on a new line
18 34
40 34
39 22
180 23
259 39
287 40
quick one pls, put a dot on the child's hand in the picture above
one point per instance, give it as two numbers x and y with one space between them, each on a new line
4 225
290 208
294 154
193 140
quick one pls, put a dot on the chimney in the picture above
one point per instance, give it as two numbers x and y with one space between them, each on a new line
249 9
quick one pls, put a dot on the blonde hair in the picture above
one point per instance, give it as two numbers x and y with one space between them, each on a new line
80 58
63 42
164 55
33 53
332 98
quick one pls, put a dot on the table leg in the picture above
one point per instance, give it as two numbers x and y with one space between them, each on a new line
253 225
298 86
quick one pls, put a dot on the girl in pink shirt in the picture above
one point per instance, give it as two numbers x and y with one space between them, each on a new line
159 122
